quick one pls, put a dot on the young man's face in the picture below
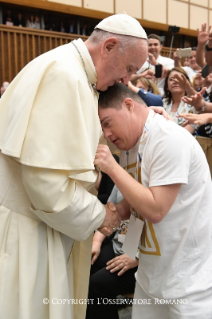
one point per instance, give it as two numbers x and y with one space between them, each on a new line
192 61
117 127
154 47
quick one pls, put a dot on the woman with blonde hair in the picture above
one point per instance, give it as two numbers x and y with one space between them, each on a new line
146 84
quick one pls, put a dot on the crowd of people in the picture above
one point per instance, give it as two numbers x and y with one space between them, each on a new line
149 229
49 23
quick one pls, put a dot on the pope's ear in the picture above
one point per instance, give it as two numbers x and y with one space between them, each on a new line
108 45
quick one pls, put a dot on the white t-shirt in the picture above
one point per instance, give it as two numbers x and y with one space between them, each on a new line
166 62
190 72
176 254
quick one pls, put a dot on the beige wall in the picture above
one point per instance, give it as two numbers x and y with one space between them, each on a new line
155 10
188 14
106 6
131 7
77 3
197 16
178 9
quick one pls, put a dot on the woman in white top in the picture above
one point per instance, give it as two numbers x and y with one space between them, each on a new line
177 85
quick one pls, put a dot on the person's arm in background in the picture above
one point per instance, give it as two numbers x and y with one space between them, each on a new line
147 74
185 84
177 59
197 119
202 38
149 98
98 239
199 102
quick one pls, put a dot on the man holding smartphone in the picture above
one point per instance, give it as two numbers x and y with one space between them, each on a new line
193 68
157 62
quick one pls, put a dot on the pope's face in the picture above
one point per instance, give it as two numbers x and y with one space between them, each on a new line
119 66
117 126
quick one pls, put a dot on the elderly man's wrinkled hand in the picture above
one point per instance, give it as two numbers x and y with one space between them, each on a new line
112 220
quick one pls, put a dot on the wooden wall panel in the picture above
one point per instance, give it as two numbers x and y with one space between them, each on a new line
18 46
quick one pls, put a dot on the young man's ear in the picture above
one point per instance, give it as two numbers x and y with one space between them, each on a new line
129 103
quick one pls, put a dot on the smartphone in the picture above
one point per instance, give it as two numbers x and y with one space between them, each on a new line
158 71
206 71
183 53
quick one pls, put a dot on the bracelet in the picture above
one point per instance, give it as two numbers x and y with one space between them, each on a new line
202 108
195 126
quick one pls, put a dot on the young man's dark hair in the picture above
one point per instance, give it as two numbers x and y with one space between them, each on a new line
114 95
154 36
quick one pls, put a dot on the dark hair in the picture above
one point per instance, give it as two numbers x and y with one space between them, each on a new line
167 93
114 96
154 36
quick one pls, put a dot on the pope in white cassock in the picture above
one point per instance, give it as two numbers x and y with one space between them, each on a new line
49 133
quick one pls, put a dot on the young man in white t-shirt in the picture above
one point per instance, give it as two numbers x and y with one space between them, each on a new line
154 58
174 277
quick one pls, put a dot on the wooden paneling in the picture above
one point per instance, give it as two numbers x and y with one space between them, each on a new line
18 46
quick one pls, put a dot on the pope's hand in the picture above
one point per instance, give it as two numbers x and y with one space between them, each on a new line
112 220
104 159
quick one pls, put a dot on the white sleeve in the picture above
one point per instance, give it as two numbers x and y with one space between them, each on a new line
62 203
169 64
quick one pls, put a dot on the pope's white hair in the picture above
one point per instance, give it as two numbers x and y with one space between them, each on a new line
125 41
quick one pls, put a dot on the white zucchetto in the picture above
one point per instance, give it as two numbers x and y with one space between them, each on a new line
122 24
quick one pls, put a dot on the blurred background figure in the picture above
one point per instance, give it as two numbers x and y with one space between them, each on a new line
19 22
37 22
84 29
62 27
31 22
72 27
4 86
8 20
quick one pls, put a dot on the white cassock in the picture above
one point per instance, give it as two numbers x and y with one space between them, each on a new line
49 132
